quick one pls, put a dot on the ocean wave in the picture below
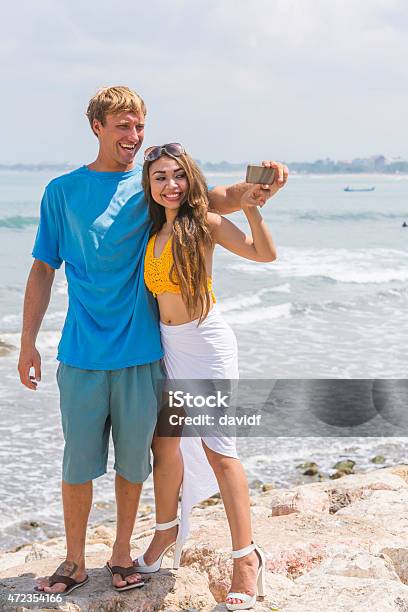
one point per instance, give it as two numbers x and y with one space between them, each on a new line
394 293
263 313
13 289
375 277
61 287
356 304
245 300
359 266
329 306
11 322
315 215
6 348
18 222
46 340
239 310
285 288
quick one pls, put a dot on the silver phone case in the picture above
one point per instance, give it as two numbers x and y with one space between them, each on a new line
260 174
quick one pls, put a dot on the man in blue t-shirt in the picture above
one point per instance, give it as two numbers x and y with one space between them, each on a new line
95 219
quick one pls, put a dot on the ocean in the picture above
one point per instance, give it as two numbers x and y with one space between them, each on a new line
331 306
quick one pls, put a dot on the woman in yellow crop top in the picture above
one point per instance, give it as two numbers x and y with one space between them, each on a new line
198 344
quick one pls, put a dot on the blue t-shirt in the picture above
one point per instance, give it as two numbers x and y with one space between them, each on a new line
98 224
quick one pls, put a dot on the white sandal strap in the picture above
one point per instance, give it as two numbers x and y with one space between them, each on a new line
244 597
164 526
237 554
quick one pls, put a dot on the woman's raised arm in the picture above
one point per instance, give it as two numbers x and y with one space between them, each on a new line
257 247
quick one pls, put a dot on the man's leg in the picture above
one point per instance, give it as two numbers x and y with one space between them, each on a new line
133 411
84 404
127 503
77 500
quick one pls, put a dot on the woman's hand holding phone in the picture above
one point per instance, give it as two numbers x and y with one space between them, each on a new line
254 196
272 171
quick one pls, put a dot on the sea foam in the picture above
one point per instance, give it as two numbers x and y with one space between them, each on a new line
341 265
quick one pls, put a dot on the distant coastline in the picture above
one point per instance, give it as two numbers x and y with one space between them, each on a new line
376 164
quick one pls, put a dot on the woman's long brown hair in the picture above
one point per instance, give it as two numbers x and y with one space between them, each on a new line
191 235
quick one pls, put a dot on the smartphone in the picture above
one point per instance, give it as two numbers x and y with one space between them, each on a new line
260 174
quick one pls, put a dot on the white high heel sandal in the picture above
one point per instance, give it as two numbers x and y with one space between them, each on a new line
142 568
249 601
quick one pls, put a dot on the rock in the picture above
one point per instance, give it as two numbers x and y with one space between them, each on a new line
340 474
211 501
145 511
216 565
29 525
185 589
358 486
398 470
101 505
357 564
164 591
346 465
300 500
293 543
342 547
310 468
312 471
267 487
378 459
102 535
256 484
345 594
306 465
388 509
12 559
38 552
399 559
343 498
336 475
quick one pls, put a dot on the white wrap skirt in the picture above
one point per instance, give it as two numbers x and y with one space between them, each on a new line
208 351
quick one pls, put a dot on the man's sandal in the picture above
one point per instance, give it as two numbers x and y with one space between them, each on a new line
70 582
124 572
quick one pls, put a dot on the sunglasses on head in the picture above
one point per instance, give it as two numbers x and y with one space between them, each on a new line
172 148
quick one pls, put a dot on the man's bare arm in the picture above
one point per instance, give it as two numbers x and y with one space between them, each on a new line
36 300
226 199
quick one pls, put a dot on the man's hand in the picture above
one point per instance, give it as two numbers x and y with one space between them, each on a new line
29 358
36 300
281 177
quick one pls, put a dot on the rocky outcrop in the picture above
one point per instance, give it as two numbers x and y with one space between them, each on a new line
338 545
303 499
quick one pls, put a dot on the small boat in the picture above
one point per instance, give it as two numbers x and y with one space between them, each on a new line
359 188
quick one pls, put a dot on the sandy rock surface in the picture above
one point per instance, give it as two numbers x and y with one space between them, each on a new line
335 545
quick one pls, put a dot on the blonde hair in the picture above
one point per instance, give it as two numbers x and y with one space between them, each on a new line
191 235
111 100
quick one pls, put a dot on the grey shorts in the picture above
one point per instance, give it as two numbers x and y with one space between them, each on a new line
94 402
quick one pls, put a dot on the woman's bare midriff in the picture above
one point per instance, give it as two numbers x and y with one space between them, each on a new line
173 311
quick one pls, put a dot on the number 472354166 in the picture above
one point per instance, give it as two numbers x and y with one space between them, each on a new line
34 597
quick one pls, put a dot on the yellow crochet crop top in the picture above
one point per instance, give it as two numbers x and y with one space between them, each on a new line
157 270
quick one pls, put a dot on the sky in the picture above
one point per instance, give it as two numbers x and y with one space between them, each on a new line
237 80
